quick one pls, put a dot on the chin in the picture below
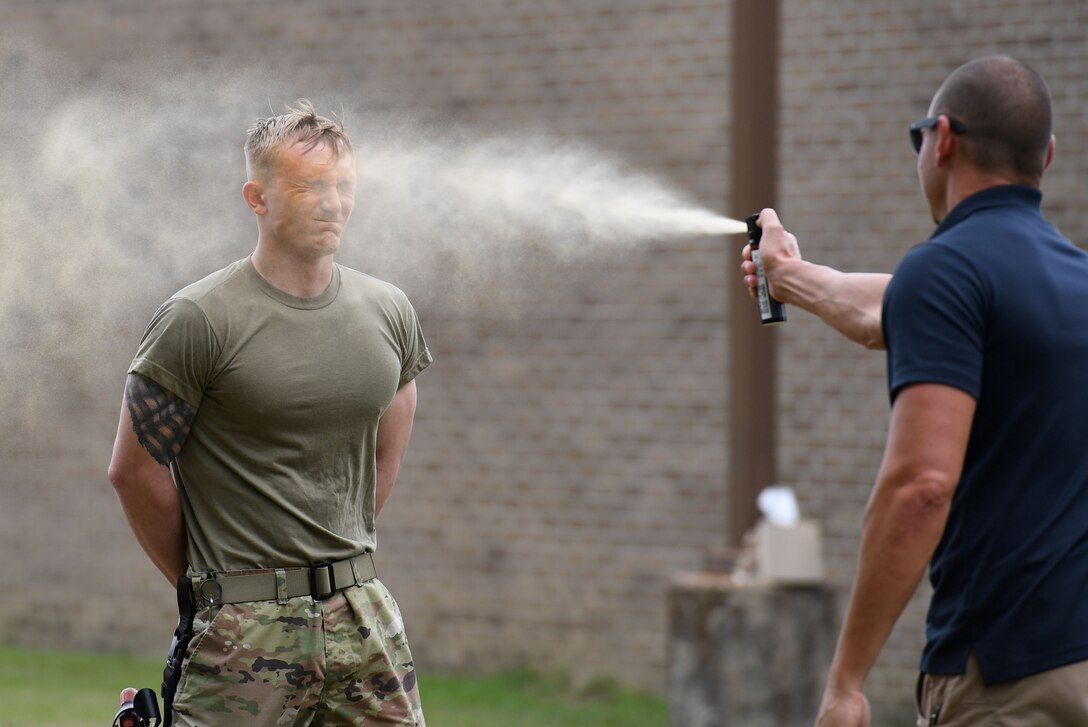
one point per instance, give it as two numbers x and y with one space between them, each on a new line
326 246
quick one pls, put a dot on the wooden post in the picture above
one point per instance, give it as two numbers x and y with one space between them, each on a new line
751 345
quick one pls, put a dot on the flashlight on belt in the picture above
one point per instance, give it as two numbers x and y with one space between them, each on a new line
770 310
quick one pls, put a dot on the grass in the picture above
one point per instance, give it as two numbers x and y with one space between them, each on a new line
75 689
526 699
67 689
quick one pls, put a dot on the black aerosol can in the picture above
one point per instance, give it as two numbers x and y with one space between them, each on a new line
770 310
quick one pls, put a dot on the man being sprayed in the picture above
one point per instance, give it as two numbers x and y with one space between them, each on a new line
984 476
265 418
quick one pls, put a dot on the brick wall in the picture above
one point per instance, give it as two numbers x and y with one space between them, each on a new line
570 446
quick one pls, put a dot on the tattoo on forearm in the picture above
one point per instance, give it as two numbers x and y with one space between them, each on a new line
160 420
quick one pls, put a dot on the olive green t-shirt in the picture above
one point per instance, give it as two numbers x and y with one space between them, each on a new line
278 469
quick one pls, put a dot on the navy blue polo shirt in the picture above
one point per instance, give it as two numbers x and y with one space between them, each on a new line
996 304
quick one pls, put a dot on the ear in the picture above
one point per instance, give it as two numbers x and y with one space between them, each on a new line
253 194
1050 152
946 141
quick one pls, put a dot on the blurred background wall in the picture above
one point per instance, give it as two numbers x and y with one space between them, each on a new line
570 449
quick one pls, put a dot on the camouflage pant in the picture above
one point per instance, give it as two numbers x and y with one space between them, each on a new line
343 661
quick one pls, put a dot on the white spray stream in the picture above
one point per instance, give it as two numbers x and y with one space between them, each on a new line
517 189
111 199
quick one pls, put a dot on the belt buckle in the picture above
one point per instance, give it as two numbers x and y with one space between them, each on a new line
314 592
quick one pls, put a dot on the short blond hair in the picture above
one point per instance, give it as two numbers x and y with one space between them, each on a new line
300 124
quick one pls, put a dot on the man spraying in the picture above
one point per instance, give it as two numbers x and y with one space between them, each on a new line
984 477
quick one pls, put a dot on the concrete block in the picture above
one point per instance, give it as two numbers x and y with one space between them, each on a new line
747 656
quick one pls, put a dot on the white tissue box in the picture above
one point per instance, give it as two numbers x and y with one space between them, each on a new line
789 553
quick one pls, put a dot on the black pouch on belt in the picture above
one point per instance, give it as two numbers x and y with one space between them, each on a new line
171 675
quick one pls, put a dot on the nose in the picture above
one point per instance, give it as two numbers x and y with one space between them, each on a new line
330 203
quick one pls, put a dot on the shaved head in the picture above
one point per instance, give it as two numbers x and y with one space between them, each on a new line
1005 106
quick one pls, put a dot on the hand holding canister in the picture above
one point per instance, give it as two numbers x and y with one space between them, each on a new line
770 310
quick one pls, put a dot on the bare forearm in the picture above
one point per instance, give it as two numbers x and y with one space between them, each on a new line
387 478
143 483
153 510
848 302
394 432
906 516
902 529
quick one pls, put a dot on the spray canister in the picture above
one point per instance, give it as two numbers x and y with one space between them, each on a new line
770 310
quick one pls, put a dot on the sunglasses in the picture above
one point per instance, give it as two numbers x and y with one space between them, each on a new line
928 123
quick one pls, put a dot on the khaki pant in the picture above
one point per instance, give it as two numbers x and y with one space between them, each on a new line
1055 698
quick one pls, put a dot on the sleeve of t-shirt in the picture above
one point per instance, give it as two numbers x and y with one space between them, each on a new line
414 353
934 321
178 350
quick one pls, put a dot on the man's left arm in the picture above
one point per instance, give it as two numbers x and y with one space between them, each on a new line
394 431
904 521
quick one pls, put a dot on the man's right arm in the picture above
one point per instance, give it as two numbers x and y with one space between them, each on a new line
848 302
153 427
